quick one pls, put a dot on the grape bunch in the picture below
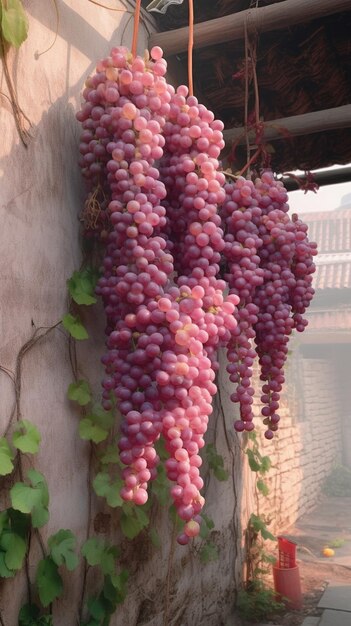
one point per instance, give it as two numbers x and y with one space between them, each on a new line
270 263
189 169
241 214
164 318
190 264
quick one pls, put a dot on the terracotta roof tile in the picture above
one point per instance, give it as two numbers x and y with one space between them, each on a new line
330 229
336 320
333 271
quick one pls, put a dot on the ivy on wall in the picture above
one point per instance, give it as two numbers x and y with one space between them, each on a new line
21 523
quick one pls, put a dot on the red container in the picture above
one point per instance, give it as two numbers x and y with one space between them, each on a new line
287 586
287 553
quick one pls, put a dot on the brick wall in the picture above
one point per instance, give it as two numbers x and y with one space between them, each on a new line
308 442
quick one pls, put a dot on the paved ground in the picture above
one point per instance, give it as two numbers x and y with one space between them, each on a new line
329 524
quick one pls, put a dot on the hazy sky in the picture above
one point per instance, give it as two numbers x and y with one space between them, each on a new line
327 198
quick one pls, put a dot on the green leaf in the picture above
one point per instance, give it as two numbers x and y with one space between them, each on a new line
95 426
25 498
208 521
38 480
18 522
28 615
253 463
5 572
4 520
80 392
81 286
14 22
15 548
160 447
104 419
93 550
133 520
141 515
266 534
262 487
26 437
266 464
96 608
209 553
34 499
110 455
270 558
114 588
48 581
120 580
206 526
62 549
216 462
6 457
130 526
74 327
259 525
221 474
175 517
108 560
91 432
40 517
106 489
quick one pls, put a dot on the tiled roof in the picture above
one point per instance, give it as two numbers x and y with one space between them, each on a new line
333 271
330 229
335 320
332 232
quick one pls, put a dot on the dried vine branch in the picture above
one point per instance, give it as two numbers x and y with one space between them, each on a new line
18 113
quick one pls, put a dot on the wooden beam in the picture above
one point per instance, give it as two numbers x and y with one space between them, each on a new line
231 27
328 177
315 122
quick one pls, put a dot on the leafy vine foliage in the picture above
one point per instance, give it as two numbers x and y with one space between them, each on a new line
257 601
13 32
14 22
29 508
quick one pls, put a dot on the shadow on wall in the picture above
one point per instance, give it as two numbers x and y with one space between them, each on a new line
72 24
42 186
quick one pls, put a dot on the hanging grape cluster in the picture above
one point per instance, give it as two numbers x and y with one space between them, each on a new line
269 262
175 238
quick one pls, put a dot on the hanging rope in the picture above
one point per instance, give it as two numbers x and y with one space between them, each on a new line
136 27
190 47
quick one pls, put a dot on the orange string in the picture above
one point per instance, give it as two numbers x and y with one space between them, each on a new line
136 27
190 47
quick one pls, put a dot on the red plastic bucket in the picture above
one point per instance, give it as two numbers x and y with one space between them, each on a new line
287 553
287 585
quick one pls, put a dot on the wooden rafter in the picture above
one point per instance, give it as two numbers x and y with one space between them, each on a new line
307 124
232 27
